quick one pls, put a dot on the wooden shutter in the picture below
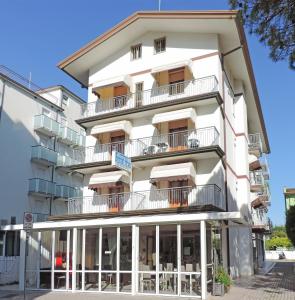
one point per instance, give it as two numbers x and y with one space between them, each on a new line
176 75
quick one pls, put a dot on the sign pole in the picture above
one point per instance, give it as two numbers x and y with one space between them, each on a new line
27 226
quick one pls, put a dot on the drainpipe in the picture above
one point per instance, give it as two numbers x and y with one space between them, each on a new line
53 167
224 136
2 98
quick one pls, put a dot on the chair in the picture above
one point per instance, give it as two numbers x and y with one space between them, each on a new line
146 278
193 143
183 279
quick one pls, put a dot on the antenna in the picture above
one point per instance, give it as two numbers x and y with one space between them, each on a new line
159 5
30 80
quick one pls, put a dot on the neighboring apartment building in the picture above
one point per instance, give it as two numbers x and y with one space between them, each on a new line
289 194
38 134
175 92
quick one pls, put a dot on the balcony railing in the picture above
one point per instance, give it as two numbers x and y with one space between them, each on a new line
257 178
41 186
46 125
260 218
65 192
72 137
149 200
255 144
66 161
172 142
170 92
44 154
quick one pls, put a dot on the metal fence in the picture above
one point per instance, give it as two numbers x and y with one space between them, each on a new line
171 142
201 195
170 92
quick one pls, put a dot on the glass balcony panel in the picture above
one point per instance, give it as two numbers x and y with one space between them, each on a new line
46 125
41 186
44 154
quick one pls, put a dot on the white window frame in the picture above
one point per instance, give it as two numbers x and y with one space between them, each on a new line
160 40
134 53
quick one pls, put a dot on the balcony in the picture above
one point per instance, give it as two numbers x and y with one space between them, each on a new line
189 141
43 155
257 181
66 161
167 93
71 137
46 125
206 197
260 220
66 192
255 144
41 187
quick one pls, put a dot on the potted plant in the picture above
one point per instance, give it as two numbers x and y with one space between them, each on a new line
222 282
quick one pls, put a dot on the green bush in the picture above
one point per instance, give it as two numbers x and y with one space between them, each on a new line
222 276
278 242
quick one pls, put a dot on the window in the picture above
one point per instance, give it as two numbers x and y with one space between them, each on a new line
65 99
176 81
46 112
136 52
139 91
160 45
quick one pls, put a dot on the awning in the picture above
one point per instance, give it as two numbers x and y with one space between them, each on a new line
114 81
125 126
179 64
173 172
187 113
108 178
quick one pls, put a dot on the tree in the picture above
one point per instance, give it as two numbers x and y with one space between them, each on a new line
273 21
278 242
290 224
279 231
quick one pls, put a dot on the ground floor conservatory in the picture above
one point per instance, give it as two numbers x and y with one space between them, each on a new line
167 258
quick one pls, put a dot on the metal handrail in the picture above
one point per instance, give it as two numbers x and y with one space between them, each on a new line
209 194
169 92
169 142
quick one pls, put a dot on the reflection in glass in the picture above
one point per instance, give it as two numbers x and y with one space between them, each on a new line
108 281
147 259
91 281
59 280
125 249
109 249
60 250
92 249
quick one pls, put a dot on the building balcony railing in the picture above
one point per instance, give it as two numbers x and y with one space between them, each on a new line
41 187
66 161
71 137
156 199
187 140
66 192
44 155
257 178
260 219
170 92
46 125
255 144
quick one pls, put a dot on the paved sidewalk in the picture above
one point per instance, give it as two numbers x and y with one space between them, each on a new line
278 284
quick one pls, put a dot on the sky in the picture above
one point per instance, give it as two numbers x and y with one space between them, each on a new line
35 35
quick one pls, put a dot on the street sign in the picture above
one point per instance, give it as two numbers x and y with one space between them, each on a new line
28 221
121 161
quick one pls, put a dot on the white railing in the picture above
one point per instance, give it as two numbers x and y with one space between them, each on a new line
256 178
178 141
255 143
170 92
153 199
259 217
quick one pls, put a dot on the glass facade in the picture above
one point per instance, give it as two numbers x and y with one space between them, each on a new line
148 259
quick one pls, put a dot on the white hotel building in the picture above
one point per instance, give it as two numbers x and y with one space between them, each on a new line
174 92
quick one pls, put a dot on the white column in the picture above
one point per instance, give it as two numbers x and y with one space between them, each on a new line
38 259
100 258
134 259
203 260
83 258
179 258
74 259
52 258
68 259
118 260
157 257
23 237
